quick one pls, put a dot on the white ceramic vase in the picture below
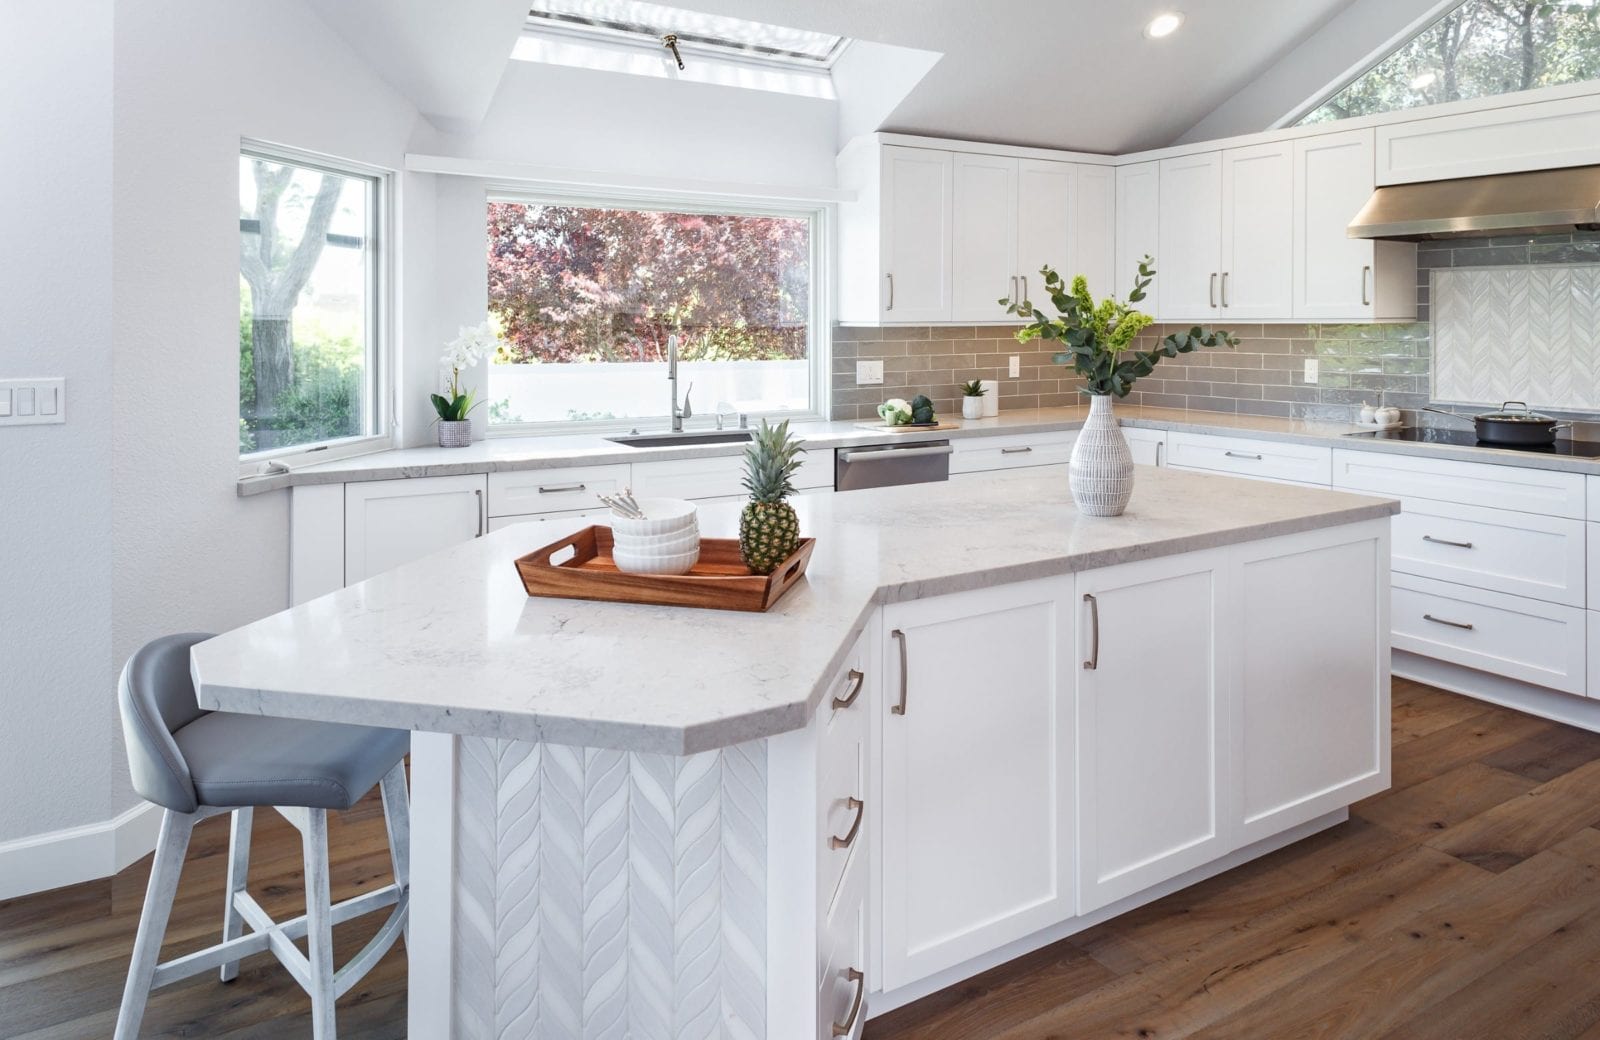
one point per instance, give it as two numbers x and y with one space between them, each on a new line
1100 472
972 407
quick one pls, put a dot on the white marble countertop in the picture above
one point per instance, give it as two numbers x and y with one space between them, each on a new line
518 453
452 642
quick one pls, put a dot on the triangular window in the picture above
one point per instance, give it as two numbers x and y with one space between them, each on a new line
1479 49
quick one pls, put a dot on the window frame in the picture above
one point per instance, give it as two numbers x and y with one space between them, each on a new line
378 404
819 339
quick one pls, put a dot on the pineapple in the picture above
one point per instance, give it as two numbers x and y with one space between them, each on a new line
769 530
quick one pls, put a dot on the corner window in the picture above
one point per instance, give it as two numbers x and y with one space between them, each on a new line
1479 49
310 286
587 297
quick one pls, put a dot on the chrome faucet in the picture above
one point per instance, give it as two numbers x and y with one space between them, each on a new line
678 415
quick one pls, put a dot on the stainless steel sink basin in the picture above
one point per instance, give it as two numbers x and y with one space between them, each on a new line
678 440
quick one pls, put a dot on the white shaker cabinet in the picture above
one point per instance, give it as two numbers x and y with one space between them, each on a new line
977 819
1336 277
1138 222
1257 279
391 522
1045 221
1149 447
1092 250
1189 261
917 210
984 256
1149 724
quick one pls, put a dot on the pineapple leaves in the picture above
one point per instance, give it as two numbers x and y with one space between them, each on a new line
771 462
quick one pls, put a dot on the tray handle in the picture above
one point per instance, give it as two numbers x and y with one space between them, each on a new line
542 557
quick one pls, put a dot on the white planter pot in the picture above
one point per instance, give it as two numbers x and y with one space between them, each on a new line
972 407
456 434
1100 472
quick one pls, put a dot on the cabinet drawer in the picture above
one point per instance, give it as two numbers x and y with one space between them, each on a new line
981 454
1273 460
1536 642
842 774
566 489
842 963
1521 553
1543 491
715 477
498 523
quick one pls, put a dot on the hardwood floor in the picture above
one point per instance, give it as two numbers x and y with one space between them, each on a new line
1462 903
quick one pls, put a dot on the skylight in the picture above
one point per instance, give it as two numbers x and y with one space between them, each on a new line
704 35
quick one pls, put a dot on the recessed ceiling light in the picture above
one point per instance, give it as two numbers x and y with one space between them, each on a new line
1163 25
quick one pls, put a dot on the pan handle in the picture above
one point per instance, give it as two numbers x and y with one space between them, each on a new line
1453 415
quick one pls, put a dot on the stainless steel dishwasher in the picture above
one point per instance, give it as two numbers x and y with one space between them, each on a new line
887 465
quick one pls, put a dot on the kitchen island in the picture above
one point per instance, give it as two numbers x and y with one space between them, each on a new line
981 723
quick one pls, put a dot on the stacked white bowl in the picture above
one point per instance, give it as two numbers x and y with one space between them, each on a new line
666 541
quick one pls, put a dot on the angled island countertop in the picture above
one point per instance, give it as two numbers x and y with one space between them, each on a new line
452 643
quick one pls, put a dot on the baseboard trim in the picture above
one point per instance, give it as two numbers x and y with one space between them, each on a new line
41 862
1571 708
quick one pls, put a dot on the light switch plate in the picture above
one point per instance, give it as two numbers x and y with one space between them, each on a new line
1016 366
1311 370
869 373
33 402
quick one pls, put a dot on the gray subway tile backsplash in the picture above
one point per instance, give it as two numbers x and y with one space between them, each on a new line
1381 364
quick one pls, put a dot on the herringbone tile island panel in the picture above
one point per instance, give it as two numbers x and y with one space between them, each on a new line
1463 903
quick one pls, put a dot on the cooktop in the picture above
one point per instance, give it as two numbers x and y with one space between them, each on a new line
1464 439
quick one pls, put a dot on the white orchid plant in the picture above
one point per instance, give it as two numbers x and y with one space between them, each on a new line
472 344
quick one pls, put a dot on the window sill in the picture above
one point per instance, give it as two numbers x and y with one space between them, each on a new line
276 464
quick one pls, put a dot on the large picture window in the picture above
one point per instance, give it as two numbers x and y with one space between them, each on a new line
586 297
309 292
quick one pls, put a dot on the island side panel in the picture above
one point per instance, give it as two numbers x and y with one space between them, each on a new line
604 893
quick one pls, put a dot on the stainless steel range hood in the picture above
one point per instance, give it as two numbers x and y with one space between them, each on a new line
1543 201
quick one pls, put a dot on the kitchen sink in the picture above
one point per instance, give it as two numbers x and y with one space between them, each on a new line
678 440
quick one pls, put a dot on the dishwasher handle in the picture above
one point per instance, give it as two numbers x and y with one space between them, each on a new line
891 454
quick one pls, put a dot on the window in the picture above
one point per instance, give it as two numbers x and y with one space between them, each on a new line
586 298
1480 49
309 294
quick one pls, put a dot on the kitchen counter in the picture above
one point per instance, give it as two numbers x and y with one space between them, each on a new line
500 454
452 643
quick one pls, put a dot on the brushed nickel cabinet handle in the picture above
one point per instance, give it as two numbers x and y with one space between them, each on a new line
848 1026
857 680
561 489
1159 446
1446 541
1015 451
1242 455
1225 287
1366 278
849 839
891 292
1213 300
479 493
1094 633
900 709
1444 621
1014 297
1024 287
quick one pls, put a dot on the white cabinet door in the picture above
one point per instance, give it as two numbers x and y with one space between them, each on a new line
1257 237
916 234
1150 725
1046 228
1333 178
1094 228
977 820
1148 446
984 250
1309 636
1138 228
1189 263
391 522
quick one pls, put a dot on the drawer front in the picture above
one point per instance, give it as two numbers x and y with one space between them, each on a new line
499 523
696 479
841 978
1594 659
1470 483
1523 554
983 454
1274 460
1536 642
1592 485
563 490
842 774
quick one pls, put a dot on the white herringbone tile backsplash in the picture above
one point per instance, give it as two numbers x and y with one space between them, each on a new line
1518 333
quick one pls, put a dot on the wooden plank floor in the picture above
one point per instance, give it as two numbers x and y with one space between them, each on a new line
1462 903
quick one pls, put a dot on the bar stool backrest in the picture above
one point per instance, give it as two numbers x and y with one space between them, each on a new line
156 698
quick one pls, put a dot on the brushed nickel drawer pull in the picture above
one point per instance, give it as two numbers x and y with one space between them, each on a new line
857 680
900 709
1446 541
1213 298
561 489
1366 297
1024 288
849 839
1015 451
480 514
1443 621
890 307
1094 629
1242 455
848 1026
1225 287
1014 297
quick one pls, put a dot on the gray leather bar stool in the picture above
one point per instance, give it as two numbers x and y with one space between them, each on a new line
198 764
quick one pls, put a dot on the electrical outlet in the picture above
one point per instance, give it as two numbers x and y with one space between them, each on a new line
869 373
1016 366
1311 370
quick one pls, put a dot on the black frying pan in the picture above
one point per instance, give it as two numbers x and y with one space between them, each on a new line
1510 426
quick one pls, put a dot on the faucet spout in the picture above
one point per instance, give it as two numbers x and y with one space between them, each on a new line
678 415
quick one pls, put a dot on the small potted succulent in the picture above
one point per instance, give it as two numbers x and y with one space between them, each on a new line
472 344
972 392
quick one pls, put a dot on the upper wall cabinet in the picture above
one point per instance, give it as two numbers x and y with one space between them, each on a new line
1189 259
984 258
1336 277
1257 204
1138 228
1540 135
918 186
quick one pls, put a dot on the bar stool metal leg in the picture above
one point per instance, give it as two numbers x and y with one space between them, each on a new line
319 924
171 847
397 816
238 875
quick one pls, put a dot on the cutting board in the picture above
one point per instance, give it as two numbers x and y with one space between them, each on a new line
909 427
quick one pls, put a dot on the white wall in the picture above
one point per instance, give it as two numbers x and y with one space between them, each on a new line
55 502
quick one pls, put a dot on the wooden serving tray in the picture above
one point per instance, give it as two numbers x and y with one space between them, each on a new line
719 581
